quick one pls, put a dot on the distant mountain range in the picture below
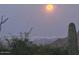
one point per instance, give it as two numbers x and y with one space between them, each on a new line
43 41
53 42
60 42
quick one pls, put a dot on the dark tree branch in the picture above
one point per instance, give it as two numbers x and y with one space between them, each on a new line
2 21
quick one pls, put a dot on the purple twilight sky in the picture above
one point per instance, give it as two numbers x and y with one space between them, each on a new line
23 17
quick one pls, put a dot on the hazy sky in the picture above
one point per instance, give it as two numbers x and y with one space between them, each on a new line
23 17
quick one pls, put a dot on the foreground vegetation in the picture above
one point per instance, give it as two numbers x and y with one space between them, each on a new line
22 46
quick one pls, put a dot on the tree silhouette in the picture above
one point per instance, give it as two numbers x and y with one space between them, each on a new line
2 22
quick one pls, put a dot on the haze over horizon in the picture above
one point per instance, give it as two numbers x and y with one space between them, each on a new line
23 17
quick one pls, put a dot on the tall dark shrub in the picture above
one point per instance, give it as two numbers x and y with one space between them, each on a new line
72 39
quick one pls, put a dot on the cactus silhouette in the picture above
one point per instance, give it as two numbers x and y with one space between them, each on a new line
72 39
2 22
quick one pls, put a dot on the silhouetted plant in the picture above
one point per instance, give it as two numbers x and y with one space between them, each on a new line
19 47
72 39
2 22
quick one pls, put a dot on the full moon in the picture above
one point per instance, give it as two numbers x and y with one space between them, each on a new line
49 7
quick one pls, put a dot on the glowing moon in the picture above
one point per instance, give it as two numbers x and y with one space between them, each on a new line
49 7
